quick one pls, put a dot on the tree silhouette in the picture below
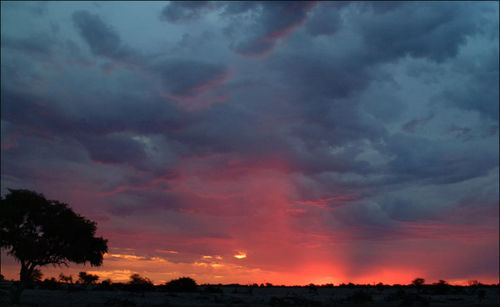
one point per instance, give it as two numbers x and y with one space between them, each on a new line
136 279
183 284
37 232
418 282
138 283
87 279
66 279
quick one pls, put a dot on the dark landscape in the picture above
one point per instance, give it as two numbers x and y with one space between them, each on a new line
59 294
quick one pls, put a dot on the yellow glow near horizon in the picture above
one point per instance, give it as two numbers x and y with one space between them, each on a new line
240 255
166 251
124 256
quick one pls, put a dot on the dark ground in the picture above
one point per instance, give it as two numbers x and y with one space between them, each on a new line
217 295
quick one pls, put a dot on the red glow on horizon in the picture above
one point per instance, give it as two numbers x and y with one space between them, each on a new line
251 210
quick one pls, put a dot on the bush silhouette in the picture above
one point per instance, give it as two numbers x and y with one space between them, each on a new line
65 279
37 232
441 287
106 284
87 279
50 284
418 282
183 284
36 275
139 283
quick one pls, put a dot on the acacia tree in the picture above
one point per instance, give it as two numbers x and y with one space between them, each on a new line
418 282
87 279
37 232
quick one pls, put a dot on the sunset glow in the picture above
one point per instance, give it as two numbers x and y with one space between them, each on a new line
240 255
261 142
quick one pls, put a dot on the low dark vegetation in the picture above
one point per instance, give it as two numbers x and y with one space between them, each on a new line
183 284
138 283
87 279
361 294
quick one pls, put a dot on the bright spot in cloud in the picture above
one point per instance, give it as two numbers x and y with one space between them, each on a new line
240 255
166 251
124 256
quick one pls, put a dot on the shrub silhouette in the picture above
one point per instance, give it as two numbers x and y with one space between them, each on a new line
37 232
183 284
65 279
139 283
441 287
87 279
50 284
473 283
106 284
418 282
36 275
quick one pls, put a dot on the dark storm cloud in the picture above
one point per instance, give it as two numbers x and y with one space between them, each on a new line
104 133
179 79
419 29
102 39
319 79
479 92
416 123
36 45
187 78
30 111
270 21
148 200
438 162
37 8
183 11
115 149
320 76
382 7
133 201
325 18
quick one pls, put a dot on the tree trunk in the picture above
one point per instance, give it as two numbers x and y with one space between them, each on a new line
24 274
24 280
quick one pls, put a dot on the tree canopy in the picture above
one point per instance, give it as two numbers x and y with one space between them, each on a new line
183 284
87 279
37 232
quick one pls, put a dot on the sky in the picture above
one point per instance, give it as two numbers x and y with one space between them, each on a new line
251 142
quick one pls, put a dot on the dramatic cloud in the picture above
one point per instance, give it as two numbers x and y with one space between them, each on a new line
268 23
440 29
284 142
254 28
182 11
